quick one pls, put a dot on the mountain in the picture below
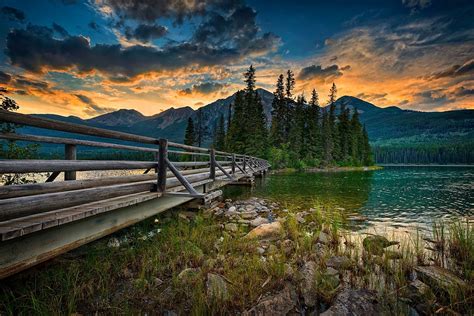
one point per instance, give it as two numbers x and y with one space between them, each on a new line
390 129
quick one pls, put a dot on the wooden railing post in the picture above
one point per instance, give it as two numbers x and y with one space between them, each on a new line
70 153
233 164
212 165
162 164
245 162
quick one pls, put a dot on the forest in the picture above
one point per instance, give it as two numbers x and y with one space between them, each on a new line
302 133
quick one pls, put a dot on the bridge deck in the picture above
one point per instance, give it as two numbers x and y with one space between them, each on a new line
41 220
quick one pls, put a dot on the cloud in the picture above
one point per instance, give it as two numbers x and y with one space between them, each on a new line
176 10
372 96
203 88
36 50
457 70
13 13
416 4
319 73
92 107
146 33
60 30
463 92
4 77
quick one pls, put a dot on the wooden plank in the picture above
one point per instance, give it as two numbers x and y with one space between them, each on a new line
181 179
30 166
51 178
162 165
190 163
29 120
70 141
187 147
212 165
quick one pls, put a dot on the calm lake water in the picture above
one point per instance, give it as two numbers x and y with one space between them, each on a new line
393 198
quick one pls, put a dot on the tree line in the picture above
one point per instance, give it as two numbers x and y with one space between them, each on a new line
301 133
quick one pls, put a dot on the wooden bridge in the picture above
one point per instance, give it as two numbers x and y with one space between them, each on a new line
39 221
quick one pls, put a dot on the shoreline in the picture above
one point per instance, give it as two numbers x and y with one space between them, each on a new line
327 170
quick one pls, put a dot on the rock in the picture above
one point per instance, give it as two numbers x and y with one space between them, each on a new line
188 273
260 250
323 238
331 271
113 243
232 209
157 281
375 245
249 207
277 304
354 302
258 221
216 287
439 278
266 231
248 214
419 295
231 227
306 287
339 262
288 246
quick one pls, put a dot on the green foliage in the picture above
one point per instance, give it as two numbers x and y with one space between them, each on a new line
219 134
190 135
279 157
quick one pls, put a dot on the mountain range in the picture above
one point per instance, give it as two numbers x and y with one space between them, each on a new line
390 126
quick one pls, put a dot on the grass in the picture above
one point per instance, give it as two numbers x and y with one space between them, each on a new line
145 274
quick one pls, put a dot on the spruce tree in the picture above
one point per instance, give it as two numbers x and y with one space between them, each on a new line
356 135
201 129
326 134
189 135
335 151
236 132
314 127
367 157
344 130
297 137
278 114
219 134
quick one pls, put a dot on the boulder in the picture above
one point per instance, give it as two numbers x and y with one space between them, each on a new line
216 287
266 231
339 262
306 286
248 214
323 238
258 221
278 304
231 227
439 278
375 244
232 209
354 302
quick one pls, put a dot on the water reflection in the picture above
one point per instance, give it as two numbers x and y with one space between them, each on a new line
395 197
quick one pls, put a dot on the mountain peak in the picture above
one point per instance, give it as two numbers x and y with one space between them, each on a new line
125 117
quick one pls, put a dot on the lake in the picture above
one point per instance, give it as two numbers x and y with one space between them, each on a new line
392 198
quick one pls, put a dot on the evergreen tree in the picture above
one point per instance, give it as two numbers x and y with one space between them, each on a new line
201 129
288 105
344 131
326 134
290 84
314 127
219 134
335 151
297 137
356 135
237 133
189 135
257 143
278 114
367 157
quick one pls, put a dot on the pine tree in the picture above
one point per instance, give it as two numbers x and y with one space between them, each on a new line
344 130
201 129
314 127
367 157
189 135
335 151
257 143
326 134
288 105
219 134
236 133
356 135
278 114
290 84
297 137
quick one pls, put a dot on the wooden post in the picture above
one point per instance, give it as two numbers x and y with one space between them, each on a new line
162 164
70 154
245 163
233 164
212 172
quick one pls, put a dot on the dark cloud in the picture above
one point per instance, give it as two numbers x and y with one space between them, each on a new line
177 10
13 13
4 77
416 5
204 88
146 33
60 30
93 25
463 92
457 70
92 107
318 72
404 102
347 67
36 50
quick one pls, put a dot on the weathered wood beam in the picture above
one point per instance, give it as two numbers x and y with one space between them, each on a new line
29 166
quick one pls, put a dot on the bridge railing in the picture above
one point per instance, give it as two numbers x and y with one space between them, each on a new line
175 168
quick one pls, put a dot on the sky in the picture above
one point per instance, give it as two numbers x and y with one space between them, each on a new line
87 58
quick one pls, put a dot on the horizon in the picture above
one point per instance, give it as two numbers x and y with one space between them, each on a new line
87 58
